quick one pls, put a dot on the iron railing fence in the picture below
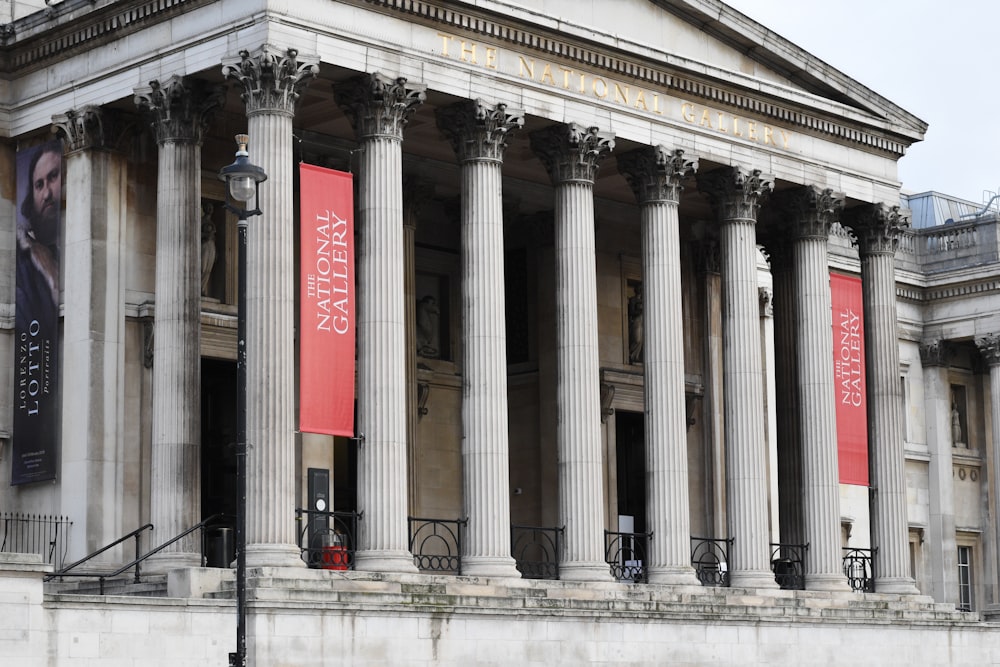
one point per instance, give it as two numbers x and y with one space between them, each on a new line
536 550
43 534
627 555
436 544
788 562
859 567
710 559
327 540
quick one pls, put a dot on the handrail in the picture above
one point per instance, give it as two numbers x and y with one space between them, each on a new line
135 533
139 559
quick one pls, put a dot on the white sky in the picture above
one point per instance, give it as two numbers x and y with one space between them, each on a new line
938 60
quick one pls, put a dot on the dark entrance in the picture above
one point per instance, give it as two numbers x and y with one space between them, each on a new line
631 455
218 457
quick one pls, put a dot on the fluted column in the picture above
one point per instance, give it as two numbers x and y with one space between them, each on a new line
571 153
655 175
379 108
811 212
270 82
877 228
941 546
736 194
989 348
179 110
93 353
478 132
789 451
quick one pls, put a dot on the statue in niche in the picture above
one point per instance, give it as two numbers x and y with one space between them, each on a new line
208 248
635 326
428 327
956 427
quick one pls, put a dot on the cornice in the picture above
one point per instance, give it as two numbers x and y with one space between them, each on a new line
604 58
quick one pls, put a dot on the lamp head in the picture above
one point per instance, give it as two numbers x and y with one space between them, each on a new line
242 176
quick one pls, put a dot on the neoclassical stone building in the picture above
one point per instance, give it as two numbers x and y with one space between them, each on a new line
600 352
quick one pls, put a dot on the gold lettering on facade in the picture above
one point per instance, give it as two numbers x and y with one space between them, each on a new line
617 92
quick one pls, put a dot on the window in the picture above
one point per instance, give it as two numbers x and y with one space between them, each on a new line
965 597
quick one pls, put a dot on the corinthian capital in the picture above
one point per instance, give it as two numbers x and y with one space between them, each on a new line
877 227
989 347
478 131
378 105
655 173
88 127
571 152
935 352
272 79
809 211
736 193
179 108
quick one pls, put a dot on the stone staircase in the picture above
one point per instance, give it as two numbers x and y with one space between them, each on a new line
151 585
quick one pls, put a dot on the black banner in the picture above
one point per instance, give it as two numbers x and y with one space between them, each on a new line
36 306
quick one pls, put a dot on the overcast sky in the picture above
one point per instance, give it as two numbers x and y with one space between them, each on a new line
938 60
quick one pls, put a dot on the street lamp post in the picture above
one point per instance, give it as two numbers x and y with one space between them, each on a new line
243 179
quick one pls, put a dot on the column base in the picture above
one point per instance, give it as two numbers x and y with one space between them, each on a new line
490 566
165 561
274 555
896 585
827 582
375 560
585 571
674 576
752 579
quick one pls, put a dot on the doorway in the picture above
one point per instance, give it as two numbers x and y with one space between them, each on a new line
218 457
630 453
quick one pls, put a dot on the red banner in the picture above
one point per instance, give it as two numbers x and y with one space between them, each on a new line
326 342
849 378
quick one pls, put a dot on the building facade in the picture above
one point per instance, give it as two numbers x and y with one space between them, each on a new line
598 338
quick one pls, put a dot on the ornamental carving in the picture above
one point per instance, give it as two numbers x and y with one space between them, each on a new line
711 256
736 193
876 227
571 152
478 131
88 127
766 297
655 173
989 347
934 353
179 108
378 105
272 79
810 211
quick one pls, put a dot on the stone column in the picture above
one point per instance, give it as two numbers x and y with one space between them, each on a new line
412 200
989 348
270 82
93 332
478 132
179 110
736 194
379 108
941 544
570 154
811 212
768 379
655 175
789 451
877 228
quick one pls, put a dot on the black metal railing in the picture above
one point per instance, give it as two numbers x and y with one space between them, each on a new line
710 559
327 540
436 544
135 564
536 550
43 534
626 555
859 567
788 562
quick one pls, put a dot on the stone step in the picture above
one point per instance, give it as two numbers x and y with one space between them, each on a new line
151 585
